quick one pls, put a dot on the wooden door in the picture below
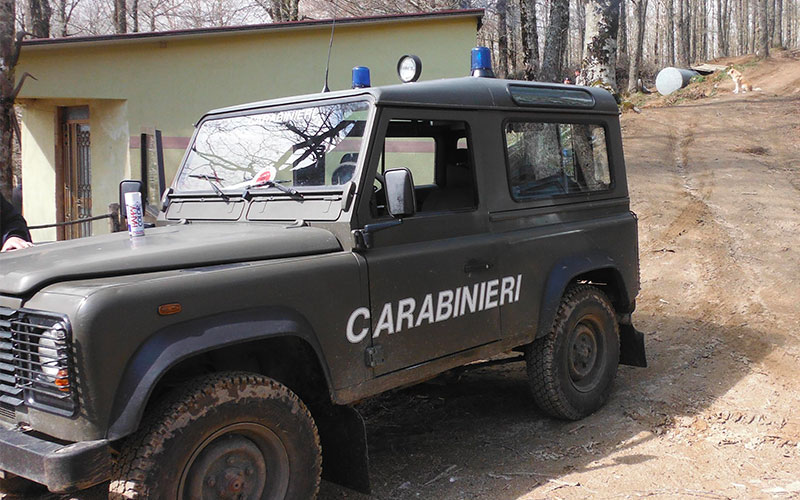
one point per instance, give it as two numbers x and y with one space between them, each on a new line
76 179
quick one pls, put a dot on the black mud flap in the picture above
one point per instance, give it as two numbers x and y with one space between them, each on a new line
631 344
343 435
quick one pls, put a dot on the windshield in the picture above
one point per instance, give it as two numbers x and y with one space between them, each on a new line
314 146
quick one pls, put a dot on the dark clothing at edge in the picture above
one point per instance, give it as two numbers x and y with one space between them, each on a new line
11 222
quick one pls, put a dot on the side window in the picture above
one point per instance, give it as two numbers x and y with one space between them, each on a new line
438 154
418 154
550 159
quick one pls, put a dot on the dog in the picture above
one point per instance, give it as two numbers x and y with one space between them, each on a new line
741 83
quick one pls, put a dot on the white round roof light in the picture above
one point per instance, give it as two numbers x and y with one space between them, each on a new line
409 68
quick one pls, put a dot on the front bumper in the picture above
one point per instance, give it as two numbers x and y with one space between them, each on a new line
60 467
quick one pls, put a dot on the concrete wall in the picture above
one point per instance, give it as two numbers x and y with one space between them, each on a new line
39 172
134 86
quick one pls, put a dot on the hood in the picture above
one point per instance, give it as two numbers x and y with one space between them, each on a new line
172 247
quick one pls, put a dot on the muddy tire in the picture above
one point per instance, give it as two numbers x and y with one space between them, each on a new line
571 369
228 435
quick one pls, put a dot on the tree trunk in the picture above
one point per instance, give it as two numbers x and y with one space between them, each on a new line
684 31
692 22
581 22
120 17
637 36
622 35
771 20
600 60
657 37
762 32
753 26
556 43
61 18
777 34
502 39
283 10
8 56
39 13
530 38
741 27
704 29
135 15
512 52
670 38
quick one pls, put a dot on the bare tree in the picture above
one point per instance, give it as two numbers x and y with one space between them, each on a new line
9 52
762 49
777 33
38 14
530 38
63 16
280 10
622 35
682 33
502 38
669 40
602 23
556 41
637 36
135 15
580 26
120 17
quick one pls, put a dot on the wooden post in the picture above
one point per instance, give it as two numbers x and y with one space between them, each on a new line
115 219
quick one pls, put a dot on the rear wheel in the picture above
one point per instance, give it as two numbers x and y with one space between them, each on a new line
572 369
232 435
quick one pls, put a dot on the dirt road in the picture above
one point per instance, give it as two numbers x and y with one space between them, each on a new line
716 184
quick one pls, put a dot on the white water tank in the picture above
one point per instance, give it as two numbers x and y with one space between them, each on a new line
671 79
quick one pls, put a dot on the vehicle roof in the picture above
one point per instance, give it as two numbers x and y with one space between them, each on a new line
466 92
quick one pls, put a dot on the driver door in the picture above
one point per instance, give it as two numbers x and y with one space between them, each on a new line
430 276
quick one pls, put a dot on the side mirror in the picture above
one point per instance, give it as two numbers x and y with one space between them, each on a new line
399 186
129 186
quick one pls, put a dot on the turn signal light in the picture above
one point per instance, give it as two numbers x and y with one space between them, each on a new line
167 309
62 381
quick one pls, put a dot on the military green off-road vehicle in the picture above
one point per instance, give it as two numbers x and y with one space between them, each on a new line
313 252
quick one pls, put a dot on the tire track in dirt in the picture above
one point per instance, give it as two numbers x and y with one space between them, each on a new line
697 239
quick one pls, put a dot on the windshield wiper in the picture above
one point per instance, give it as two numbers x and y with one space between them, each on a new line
211 180
269 183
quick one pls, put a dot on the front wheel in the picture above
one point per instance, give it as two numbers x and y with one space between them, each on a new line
571 369
229 435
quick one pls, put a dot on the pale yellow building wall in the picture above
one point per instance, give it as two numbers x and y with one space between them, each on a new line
110 155
168 85
39 180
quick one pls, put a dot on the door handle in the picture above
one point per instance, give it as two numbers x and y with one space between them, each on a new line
476 266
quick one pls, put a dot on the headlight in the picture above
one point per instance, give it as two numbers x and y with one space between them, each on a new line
42 358
54 357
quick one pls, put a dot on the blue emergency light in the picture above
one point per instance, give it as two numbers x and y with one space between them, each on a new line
481 62
360 77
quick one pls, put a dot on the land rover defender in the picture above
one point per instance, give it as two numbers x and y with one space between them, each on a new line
312 252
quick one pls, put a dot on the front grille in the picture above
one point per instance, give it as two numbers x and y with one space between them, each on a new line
10 393
35 361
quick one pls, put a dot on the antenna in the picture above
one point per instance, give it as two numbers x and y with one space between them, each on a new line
328 64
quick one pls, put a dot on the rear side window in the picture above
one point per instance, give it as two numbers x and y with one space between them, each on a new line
552 159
